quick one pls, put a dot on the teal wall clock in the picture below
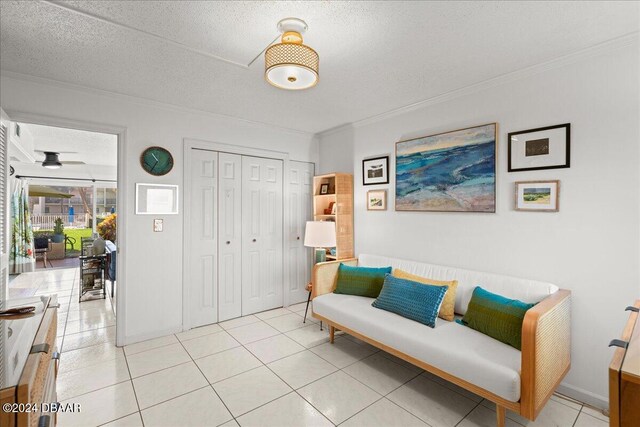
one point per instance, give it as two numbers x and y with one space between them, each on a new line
156 161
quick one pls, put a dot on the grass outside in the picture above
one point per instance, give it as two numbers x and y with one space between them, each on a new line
75 233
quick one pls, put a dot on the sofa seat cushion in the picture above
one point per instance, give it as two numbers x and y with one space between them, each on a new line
450 347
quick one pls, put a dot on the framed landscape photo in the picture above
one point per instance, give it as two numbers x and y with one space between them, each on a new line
377 200
448 172
324 188
541 148
541 196
375 171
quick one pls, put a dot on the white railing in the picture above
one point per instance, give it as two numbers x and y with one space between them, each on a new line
48 221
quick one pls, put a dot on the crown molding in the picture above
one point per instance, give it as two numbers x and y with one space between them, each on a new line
144 101
559 62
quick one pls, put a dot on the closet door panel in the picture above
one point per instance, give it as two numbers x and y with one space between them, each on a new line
202 288
300 205
262 239
230 239
272 238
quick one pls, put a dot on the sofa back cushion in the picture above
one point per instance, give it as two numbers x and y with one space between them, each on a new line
448 304
361 281
529 291
413 300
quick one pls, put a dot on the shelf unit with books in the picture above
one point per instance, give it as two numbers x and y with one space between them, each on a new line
333 201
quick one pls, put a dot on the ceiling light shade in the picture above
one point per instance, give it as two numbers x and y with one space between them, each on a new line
290 64
51 160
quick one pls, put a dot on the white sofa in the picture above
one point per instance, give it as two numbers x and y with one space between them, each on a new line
521 381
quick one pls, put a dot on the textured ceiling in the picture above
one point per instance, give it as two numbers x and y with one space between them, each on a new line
98 150
374 56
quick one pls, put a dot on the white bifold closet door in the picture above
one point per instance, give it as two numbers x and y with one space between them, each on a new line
300 203
262 234
202 301
235 261
230 241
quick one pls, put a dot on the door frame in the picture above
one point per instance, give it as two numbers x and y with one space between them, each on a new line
122 196
200 144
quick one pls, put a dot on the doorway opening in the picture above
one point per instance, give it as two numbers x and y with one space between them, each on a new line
63 216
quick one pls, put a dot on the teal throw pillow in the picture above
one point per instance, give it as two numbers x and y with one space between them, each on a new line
413 300
361 281
497 316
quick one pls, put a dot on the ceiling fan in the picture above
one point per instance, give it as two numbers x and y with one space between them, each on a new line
52 161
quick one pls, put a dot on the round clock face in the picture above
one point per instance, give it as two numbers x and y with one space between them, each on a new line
157 161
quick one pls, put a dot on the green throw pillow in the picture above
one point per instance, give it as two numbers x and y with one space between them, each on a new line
361 281
494 315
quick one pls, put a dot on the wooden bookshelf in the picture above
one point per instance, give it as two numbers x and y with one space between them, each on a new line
340 193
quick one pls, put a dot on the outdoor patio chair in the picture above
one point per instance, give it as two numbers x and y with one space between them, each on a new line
85 244
42 246
69 241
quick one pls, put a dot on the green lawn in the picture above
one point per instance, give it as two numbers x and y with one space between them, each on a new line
76 233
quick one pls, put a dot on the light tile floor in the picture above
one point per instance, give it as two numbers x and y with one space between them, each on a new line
268 369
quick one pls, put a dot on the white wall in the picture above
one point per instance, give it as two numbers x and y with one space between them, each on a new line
153 276
590 247
337 152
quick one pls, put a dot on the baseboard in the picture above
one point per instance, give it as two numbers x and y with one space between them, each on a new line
151 335
595 400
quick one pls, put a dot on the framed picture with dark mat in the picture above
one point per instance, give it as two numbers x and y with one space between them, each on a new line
540 148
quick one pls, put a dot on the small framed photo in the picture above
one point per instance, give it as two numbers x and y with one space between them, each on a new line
541 148
538 196
377 200
324 188
375 171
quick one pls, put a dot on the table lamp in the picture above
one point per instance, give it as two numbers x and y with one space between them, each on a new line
320 235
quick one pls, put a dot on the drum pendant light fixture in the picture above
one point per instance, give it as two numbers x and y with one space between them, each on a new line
290 64
51 160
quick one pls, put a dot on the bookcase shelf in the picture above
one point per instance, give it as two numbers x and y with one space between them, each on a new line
340 194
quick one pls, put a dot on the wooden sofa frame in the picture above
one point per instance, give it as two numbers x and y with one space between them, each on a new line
546 347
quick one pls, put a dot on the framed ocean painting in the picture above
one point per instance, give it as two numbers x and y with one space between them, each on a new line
448 172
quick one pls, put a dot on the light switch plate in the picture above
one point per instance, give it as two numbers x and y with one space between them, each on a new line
157 225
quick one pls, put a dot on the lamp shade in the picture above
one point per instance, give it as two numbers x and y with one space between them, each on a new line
320 234
291 64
